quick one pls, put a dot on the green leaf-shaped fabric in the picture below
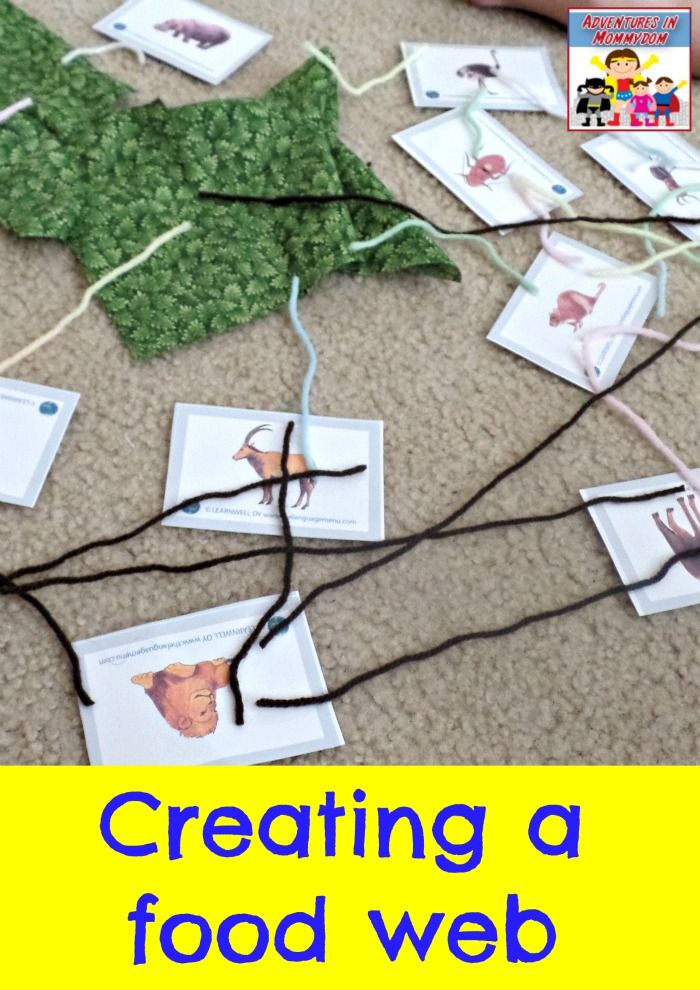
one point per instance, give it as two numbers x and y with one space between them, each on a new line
107 181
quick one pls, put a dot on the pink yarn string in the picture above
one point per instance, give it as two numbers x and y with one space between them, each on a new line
645 429
531 201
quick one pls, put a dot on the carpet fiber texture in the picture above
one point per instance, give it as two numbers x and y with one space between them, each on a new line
602 686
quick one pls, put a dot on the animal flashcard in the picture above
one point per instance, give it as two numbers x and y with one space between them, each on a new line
162 694
652 166
507 77
641 536
33 422
443 146
545 328
186 34
217 449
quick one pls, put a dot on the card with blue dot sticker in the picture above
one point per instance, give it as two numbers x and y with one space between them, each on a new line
163 697
33 421
505 77
482 174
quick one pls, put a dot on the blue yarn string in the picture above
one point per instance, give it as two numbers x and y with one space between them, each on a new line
310 371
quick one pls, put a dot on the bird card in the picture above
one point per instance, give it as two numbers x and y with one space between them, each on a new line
163 698
508 77
641 536
188 35
546 328
216 449
33 421
444 146
653 166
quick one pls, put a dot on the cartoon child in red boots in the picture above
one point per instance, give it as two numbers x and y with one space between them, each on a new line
621 66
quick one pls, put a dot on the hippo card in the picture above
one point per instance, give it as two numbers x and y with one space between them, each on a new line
188 35
162 694
216 449
444 146
547 328
657 168
33 421
506 77
641 536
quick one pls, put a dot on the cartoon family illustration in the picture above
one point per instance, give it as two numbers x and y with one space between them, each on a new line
625 94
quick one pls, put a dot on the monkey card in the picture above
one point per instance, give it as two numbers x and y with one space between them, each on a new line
33 422
663 170
642 536
217 449
548 327
187 35
481 176
506 77
162 693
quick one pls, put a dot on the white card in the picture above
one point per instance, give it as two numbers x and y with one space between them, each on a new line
214 448
162 694
544 328
448 75
443 144
640 537
649 165
188 35
33 421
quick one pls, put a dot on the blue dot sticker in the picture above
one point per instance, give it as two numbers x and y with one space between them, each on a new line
433 94
275 621
193 509
559 189
119 26
48 408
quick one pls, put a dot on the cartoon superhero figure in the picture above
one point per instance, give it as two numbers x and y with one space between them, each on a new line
596 101
621 67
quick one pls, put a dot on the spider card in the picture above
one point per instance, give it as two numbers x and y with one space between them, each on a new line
163 698
481 179
188 35
641 536
508 77
215 449
33 421
658 168
547 328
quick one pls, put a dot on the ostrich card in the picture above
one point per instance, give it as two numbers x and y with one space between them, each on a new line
163 697
507 77
660 169
642 536
548 328
188 35
216 449
481 180
33 421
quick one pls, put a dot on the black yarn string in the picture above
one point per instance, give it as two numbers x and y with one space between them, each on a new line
470 637
337 551
111 541
501 476
330 198
281 599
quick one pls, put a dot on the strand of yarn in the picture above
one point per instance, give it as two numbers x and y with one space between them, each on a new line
529 192
96 287
425 225
519 87
644 428
14 108
310 371
103 50
371 83
471 122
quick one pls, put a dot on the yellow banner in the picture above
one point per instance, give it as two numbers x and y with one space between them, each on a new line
349 876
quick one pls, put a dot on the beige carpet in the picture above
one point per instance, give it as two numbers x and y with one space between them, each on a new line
603 686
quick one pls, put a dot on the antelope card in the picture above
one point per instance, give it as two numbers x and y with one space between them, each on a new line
506 77
215 449
163 698
33 421
546 328
654 166
445 147
641 536
186 34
